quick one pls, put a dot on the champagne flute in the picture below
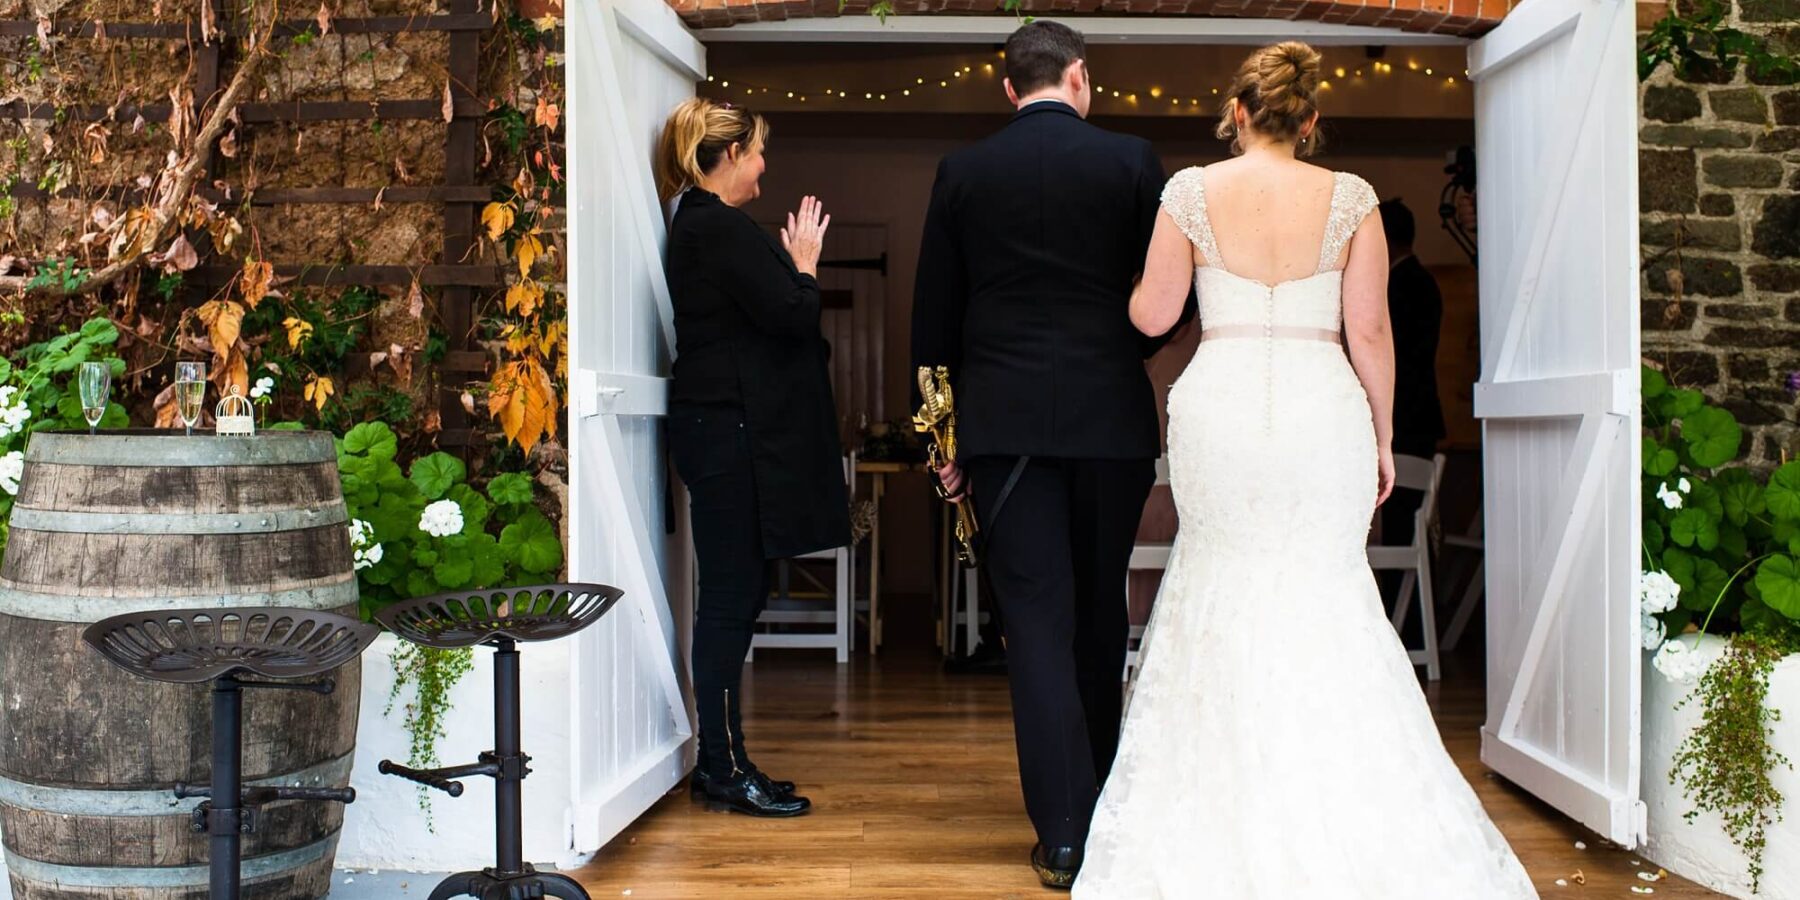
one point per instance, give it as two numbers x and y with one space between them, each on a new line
96 389
190 392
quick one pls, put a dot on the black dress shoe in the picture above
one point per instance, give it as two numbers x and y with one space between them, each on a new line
753 795
697 784
1056 866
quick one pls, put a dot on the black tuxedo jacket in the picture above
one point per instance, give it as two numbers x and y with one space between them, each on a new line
1416 309
1032 242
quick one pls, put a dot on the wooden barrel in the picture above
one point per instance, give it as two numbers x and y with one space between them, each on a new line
141 520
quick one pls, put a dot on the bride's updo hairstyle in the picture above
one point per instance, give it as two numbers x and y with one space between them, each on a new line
1278 88
696 137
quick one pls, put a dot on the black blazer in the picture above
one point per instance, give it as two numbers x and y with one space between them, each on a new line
747 337
1417 310
1032 241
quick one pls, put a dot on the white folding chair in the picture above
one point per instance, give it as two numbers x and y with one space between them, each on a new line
1477 585
1414 473
788 609
1145 556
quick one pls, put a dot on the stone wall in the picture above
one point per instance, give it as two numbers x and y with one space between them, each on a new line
1719 172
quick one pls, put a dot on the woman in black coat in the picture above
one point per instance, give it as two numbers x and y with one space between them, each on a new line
752 427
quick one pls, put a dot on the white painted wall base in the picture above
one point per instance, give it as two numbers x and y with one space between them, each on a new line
1700 850
385 829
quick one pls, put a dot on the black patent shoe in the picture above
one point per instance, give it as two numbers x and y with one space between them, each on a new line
752 794
1056 866
697 784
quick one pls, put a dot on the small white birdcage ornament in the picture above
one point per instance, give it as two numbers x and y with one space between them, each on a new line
234 415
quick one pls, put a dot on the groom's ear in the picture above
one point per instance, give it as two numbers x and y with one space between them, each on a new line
1077 75
1012 96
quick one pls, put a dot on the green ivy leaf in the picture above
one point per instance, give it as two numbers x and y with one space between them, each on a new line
1783 494
510 488
532 544
373 439
1712 437
1694 527
435 474
1778 582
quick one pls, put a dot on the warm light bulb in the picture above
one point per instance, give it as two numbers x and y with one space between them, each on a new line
1428 71
943 84
1359 73
1412 64
709 78
724 84
790 95
1325 85
1340 71
1115 93
1450 81
1156 92
987 67
750 90
957 73
884 96
906 93
921 81
868 96
968 68
1215 92
1175 101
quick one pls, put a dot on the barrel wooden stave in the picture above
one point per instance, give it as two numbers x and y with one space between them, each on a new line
84 740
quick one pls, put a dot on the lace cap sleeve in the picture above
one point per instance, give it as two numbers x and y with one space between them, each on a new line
1185 199
1352 199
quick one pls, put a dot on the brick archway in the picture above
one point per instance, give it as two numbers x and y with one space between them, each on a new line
1466 18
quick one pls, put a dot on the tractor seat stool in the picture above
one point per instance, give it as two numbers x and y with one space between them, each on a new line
499 619
195 646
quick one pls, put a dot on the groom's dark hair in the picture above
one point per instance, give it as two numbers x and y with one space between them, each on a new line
1038 52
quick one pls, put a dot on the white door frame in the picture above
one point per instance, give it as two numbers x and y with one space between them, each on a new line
613 533
994 29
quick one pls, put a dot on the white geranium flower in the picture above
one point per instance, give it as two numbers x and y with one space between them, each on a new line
12 466
1679 663
1653 631
368 556
442 519
1657 592
263 387
1683 486
1670 499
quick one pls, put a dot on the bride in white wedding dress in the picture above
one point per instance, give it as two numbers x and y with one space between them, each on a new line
1277 745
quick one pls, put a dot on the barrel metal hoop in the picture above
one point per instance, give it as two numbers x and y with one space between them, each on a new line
78 522
82 608
173 450
253 868
106 802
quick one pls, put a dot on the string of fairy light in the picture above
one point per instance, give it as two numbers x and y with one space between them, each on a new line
926 83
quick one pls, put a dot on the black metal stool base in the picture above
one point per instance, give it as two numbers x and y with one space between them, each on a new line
491 885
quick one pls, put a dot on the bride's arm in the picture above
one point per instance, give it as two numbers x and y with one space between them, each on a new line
1371 336
1157 301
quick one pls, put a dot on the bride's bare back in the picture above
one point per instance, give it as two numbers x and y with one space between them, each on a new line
1268 216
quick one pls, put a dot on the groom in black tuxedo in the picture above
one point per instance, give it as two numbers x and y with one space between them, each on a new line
1032 243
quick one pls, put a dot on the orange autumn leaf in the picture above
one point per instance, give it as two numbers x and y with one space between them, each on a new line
528 249
547 113
258 280
523 400
523 298
498 217
318 390
298 330
224 321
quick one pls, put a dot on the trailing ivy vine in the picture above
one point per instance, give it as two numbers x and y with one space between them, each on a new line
1702 43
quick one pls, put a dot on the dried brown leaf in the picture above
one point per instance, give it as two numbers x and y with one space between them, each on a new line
449 109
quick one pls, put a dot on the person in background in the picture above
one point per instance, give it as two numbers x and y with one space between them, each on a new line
752 424
1416 309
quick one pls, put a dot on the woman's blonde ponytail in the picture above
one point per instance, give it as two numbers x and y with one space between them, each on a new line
695 138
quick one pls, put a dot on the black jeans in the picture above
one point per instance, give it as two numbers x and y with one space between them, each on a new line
1057 557
712 454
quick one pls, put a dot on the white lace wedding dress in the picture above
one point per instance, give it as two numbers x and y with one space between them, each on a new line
1277 745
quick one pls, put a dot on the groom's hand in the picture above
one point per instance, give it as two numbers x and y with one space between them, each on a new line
952 479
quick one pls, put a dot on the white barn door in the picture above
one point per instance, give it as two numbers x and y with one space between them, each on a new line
1556 135
629 63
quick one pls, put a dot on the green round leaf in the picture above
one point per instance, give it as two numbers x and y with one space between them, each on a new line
435 474
1783 493
1712 437
490 561
532 544
1659 461
1778 581
1654 384
373 439
510 488
1694 528
1740 495
1684 403
1654 536
454 572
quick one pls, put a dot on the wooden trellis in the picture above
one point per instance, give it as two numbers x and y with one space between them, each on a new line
456 273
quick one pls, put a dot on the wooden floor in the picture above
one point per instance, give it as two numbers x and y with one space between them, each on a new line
917 795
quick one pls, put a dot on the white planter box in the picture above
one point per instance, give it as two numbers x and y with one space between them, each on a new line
1700 850
385 829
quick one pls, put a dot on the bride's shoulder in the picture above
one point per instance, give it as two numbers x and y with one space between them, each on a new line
1187 178
1354 194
